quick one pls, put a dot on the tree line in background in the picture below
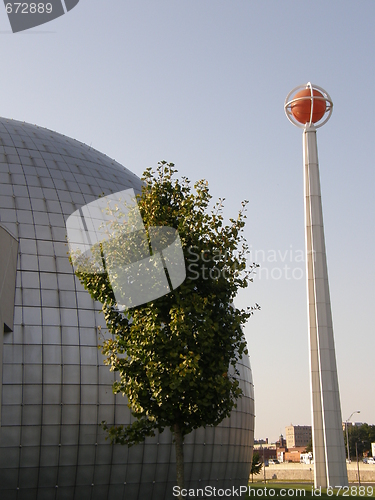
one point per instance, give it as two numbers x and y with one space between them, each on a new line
363 435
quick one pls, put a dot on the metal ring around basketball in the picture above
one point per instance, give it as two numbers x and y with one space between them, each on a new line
326 97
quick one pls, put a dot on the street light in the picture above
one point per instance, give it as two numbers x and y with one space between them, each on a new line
264 468
356 454
347 434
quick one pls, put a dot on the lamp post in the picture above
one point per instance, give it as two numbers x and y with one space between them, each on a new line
264 467
347 433
356 454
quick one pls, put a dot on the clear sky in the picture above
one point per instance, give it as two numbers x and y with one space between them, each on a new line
202 84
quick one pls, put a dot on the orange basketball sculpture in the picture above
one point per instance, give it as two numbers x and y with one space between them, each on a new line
301 106
308 106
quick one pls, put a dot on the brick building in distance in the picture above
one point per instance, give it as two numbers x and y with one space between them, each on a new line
298 436
287 449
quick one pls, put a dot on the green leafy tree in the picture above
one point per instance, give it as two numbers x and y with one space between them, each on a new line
176 356
256 465
363 435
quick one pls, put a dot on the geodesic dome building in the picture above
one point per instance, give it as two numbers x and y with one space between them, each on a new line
55 389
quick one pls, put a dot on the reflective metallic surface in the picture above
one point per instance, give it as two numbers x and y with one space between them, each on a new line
55 388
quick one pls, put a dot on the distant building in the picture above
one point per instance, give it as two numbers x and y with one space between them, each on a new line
285 450
306 458
281 448
294 454
265 452
350 424
281 443
261 441
298 435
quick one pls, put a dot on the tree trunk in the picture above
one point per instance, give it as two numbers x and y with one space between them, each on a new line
179 458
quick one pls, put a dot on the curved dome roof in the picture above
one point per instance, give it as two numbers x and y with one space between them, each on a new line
55 388
55 173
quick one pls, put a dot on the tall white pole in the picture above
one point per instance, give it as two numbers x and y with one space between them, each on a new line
310 108
328 441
